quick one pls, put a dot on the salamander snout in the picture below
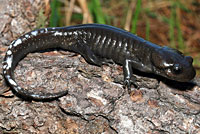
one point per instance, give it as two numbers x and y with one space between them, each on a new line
189 71
189 59
183 72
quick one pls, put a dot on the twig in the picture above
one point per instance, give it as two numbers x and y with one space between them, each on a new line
47 8
86 14
129 16
69 11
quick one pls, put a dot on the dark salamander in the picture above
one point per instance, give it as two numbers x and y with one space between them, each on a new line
98 44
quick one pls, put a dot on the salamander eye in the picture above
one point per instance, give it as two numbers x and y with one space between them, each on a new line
176 69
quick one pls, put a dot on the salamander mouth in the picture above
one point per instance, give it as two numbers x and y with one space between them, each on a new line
185 77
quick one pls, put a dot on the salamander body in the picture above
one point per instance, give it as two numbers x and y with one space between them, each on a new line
98 44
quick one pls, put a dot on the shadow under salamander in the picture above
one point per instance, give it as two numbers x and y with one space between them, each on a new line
171 83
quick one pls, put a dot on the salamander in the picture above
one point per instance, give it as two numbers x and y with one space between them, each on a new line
98 44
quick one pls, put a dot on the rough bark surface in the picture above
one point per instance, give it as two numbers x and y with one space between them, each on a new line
97 101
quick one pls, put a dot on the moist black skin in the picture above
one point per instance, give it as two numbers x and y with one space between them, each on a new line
98 44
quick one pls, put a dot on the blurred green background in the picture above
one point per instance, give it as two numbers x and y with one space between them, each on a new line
175 23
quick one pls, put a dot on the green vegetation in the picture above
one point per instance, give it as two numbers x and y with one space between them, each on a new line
96 11
174 23
136 16
41 19
55 18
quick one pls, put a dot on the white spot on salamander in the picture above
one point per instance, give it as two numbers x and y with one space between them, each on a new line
13 42
11 45
168 64
75 33
109 40
27 36
80 33
11 81
34 33
70 33
4 66
104 38
4 72
17 42
120 44
9 61
9 52
58 33
65 33
41 31
46 30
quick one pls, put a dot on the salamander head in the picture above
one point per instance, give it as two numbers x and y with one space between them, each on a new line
172 64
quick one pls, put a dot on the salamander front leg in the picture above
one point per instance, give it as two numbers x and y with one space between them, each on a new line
128 75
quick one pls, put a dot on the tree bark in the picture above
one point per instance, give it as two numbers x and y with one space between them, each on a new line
97 101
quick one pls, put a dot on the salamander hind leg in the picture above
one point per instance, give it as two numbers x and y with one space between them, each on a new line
90 57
